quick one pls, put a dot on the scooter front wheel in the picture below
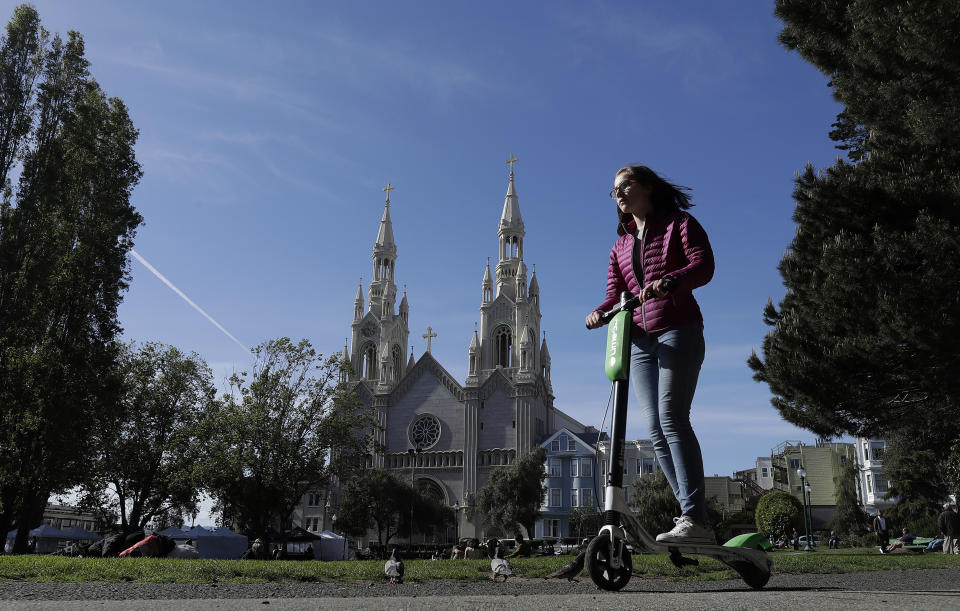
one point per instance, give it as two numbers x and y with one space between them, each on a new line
752 575
599 567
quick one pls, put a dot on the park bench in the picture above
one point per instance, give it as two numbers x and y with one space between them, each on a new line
917 547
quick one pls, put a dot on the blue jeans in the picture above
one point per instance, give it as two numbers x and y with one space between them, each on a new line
663 369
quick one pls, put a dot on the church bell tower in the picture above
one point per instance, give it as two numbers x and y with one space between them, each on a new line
381 334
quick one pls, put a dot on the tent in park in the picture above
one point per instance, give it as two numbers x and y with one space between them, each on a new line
218 543
298 539
48 538
194 533
333 546
77 533
174 533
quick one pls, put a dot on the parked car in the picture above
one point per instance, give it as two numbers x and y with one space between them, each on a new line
814 540
567 545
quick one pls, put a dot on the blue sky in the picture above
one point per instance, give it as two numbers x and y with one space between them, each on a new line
267 131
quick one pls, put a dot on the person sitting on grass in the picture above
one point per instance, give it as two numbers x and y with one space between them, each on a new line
905 539
474 551
523 548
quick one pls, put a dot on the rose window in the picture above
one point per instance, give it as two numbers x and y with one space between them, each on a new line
424 431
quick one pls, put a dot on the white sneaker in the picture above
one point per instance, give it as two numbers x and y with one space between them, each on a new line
685 531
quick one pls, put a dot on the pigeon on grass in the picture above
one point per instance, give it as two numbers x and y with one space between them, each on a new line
500 567
569 571
393 568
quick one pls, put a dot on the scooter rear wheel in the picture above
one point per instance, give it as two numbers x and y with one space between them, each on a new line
598 564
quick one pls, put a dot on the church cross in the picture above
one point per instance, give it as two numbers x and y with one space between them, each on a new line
388 189
511 161
428 336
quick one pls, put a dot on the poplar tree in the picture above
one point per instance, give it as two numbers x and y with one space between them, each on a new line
67 170
864 341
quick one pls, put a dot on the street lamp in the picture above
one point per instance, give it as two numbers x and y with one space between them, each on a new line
456 516
808 489
803 486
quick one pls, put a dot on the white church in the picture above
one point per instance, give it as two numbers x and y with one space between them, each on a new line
448 434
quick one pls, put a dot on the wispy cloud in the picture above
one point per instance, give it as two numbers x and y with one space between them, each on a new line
727 356
381 63
695 52
164 279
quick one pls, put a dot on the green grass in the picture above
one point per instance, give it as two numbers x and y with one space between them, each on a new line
656 566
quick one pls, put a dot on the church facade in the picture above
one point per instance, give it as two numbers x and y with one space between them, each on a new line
446 434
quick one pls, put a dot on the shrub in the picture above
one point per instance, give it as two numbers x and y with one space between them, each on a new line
778 512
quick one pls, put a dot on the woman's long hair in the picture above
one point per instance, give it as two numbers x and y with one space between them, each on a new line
664 196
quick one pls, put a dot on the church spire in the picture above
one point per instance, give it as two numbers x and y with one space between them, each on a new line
510 231
473 355
385 235
383 291
511 204
487 286
358 302
345 362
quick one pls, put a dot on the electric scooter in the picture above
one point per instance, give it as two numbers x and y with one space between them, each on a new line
608 559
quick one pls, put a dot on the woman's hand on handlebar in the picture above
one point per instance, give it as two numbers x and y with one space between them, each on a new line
593 320
654 290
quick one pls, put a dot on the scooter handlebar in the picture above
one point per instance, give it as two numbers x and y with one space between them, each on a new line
627 302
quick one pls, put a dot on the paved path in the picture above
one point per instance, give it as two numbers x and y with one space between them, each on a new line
927 589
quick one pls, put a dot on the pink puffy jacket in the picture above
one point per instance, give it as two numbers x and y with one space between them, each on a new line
673 244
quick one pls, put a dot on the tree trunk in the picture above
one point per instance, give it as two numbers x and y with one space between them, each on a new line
30 513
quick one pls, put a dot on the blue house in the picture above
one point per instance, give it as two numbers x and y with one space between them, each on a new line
573 480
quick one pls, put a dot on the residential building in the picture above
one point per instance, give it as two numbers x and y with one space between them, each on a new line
727 493
764 470
871 480
67 516
639 459
822 462
573 480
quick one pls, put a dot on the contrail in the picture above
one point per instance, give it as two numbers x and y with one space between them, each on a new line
185 298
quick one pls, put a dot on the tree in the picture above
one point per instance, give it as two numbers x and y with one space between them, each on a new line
146 451
914 472
65 230
514 493
654 502
952 469
864 340
375 499
849 519
380 500
282 432
777 513
586 521
430 516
